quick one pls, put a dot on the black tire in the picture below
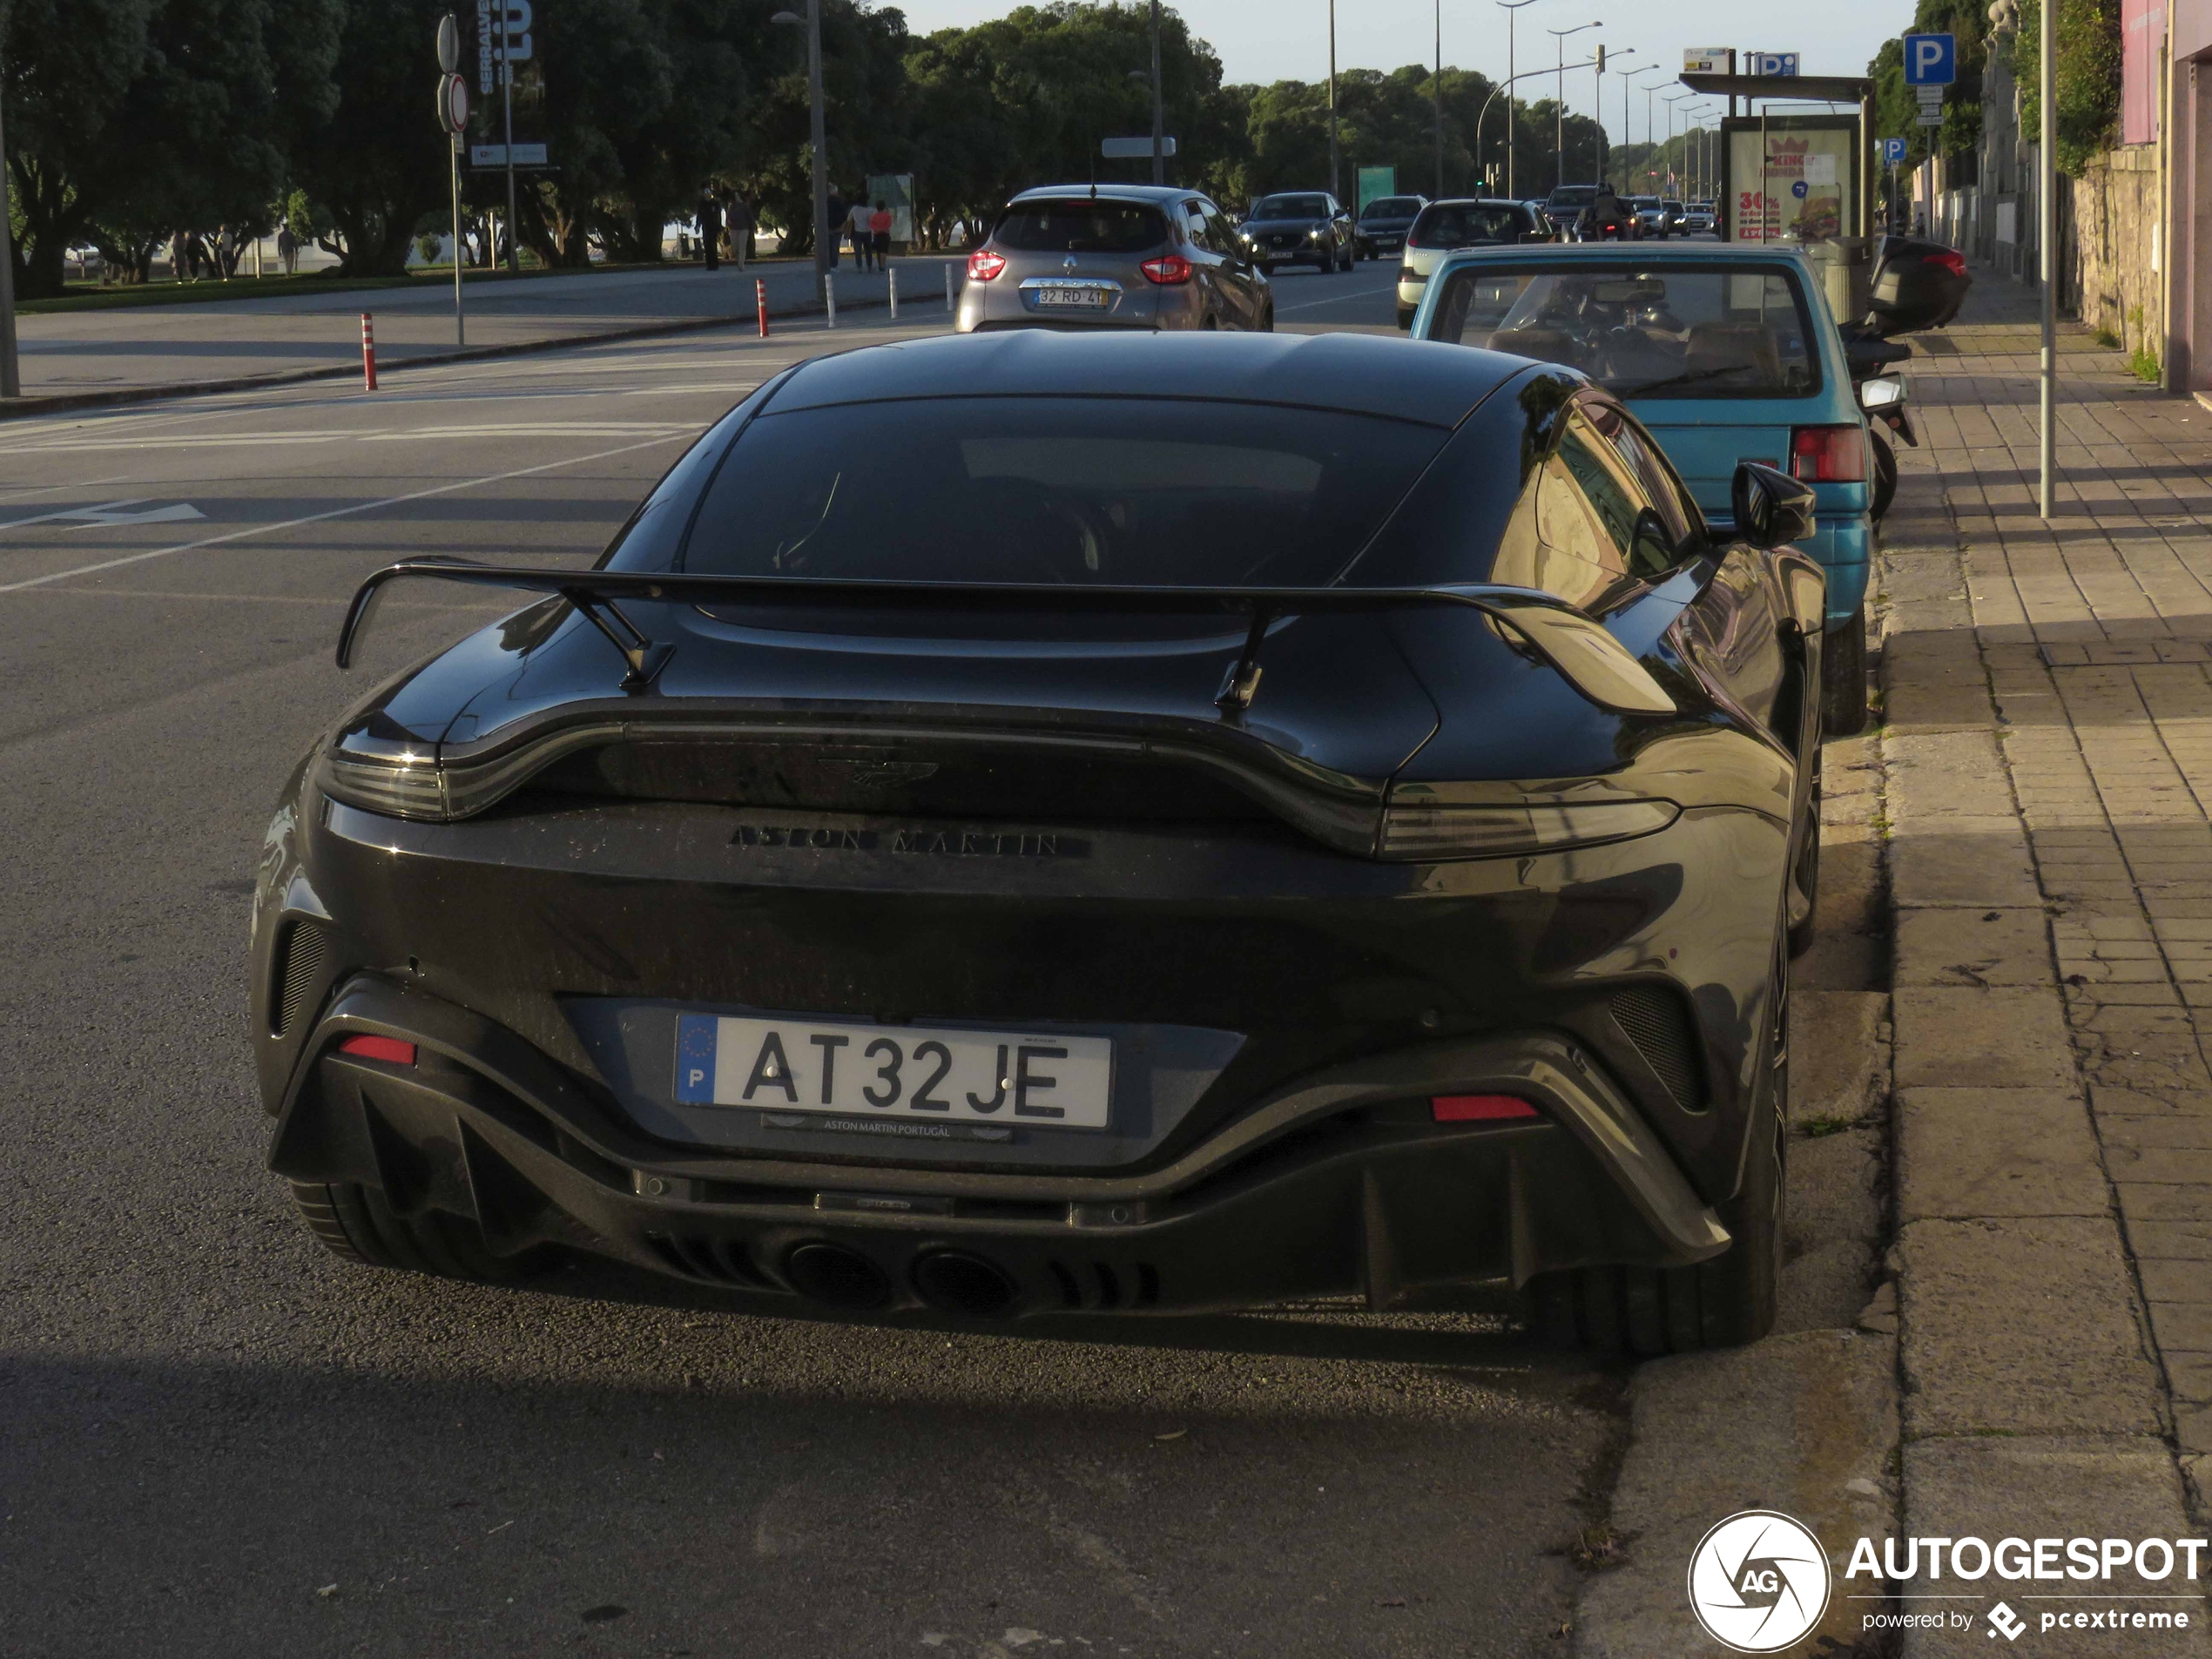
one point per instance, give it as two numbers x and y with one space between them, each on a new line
1842 678
1267 320
1805 877
1405 317
1885 479
1724 1302
357 1224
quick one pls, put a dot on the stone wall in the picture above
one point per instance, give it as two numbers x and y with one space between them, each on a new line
2110 253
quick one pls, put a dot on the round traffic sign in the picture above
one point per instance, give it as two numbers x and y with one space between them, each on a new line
453 104
449 44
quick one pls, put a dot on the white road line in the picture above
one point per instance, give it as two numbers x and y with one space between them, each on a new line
317 518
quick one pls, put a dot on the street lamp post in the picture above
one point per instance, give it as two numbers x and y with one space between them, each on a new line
1511 8
1559 108
1648 68
1438 88
1670 103
1159 125
1335 169
1598 173
824 250
10 375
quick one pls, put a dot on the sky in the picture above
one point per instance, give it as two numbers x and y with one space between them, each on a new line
1272 40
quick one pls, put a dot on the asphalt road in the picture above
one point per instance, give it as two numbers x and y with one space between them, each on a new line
215 1439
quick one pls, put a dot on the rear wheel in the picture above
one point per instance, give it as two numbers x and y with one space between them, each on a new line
1885 474
1724 1302
1405 317
1842 678
356 1223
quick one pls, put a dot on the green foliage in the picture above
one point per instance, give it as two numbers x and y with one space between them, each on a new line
1897 106
2087 78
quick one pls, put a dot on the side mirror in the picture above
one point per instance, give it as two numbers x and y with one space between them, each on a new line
1772 508
1877 394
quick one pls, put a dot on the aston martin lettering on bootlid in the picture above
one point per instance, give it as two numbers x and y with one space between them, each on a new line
941 843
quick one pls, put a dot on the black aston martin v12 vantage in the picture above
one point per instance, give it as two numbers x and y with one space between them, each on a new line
1031 824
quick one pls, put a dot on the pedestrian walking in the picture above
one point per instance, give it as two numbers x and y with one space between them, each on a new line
741 228
711 230
181 257
880 235
287 250
857 226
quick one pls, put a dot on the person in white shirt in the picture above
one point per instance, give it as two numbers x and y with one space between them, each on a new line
856 224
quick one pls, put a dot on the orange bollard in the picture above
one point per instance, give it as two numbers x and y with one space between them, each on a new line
369 353
760 294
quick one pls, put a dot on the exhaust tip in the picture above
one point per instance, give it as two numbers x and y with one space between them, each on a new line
955 1282
834 1274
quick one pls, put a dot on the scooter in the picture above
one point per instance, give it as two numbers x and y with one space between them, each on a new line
1883 395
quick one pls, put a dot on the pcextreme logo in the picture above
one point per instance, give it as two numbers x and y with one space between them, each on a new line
1758 1581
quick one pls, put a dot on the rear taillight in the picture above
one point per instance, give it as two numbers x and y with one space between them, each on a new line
1480 1109
1421 822
389 1050
1829 455
1169 270
1950 260
983 265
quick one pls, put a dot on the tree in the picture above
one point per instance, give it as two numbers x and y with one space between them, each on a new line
2085 81
377 165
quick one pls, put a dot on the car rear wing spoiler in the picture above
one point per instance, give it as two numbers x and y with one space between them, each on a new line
1579 649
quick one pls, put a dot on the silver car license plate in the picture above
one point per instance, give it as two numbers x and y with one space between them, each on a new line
1095 297
921 1072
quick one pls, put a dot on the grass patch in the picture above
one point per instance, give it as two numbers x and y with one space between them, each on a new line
1822 1124
2105 338
1595 1548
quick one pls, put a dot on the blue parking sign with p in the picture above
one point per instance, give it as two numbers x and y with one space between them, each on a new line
1930 60
1892 152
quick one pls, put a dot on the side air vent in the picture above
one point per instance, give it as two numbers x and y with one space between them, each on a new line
302 967
1655 1021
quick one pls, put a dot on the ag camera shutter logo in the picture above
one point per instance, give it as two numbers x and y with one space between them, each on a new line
1758 1581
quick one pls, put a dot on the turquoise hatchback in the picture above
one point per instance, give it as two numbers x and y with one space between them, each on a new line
1727 352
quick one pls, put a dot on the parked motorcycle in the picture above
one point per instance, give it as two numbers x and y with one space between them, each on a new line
1916 284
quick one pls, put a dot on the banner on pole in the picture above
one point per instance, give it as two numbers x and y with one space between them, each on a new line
510 24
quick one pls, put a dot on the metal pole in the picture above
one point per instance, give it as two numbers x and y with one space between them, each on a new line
1438 89
10 370
824 250
1159 115
2046 234
1336 174
1512 9
460 323
507 102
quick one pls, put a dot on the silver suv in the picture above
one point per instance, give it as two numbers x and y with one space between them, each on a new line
1131 256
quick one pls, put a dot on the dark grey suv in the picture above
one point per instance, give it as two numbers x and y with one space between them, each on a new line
1131 256
1301 227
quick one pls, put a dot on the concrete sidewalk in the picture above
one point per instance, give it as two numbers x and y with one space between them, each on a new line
2048 741
182 346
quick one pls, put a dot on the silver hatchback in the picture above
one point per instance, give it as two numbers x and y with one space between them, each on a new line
1131 256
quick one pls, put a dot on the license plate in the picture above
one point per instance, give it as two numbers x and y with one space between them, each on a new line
915 1072
1071 296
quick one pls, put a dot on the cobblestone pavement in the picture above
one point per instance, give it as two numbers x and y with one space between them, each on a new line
2048 743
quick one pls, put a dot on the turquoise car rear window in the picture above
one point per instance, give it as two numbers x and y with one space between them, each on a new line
1651 331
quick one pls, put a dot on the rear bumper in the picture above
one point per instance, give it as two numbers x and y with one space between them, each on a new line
1335 1185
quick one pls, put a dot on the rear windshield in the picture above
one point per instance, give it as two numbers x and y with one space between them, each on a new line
1573 196
1393 207
1643 203
1463 223
1081 227
1291 207
1670 330
1107 491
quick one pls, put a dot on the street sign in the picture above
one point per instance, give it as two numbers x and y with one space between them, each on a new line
1708 60
1133 149
1928 118
495 155
1930 60
449 44
1892 152
453 103
1773 62
1375 183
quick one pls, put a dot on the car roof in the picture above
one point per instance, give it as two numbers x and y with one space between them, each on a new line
1639 252
1358 374
1478 202
1153 193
